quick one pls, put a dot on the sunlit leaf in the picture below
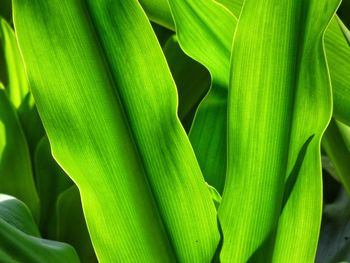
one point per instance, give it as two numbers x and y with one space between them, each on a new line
117 136
276 120
16 85
208 131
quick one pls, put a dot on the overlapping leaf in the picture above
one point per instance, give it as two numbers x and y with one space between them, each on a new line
70 224
208 131
338 152
16 85
191 78
338 53
16 177
112 124
51 181
20 240
17 88
279 106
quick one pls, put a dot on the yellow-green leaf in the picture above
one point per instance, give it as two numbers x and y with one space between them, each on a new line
279 102
108 103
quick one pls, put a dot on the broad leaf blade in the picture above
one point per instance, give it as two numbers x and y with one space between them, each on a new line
338 52
130 147
272 109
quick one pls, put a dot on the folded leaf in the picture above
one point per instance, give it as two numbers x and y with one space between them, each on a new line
115 129
339 63
191 78
158 11
20 240
162 33
197 26
278 107
16 177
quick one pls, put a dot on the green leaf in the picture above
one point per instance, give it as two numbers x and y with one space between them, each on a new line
338 53
215 195
273 111
337 151
16 177
71 226
159 12
345 132
16 213
31 123
51 181
17 85
197 26
20 240
234 6
191 78
110 116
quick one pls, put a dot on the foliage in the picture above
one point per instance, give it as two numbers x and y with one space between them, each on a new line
174 131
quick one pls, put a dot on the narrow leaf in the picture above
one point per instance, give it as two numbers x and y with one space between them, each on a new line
17 85
16 177
338 53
